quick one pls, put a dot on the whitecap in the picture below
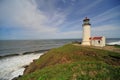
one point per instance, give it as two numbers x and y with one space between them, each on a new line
114 43
11 67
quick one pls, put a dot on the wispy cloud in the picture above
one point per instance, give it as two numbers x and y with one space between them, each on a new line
24 13
33 21
106 30
107 15
88 7
50 18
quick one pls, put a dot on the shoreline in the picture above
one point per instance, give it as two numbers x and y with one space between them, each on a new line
24 67
17 64
24 53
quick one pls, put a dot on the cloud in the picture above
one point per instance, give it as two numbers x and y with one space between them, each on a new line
72 33
64 1
88 6
35 23
39 19
25 14
68 34
107 15
106 30
107 23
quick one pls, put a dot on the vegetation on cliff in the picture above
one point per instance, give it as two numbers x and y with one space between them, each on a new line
71 62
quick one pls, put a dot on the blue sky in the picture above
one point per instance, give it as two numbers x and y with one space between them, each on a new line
56 19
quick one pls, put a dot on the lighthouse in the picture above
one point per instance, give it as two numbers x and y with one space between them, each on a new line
86 32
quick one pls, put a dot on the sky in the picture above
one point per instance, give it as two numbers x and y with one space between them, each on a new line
58 19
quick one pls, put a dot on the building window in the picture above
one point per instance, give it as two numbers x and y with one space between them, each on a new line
99 41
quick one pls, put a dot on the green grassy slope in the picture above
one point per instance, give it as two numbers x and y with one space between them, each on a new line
118 46
71 62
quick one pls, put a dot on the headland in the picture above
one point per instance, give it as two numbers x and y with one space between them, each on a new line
71 62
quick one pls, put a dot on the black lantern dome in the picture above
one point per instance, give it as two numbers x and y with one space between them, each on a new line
86 21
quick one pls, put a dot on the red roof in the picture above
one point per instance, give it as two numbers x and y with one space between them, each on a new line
95 38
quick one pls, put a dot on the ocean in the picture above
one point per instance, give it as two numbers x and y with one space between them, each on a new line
15 54
21 46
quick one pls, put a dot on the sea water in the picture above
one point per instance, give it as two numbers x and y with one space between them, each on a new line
12 66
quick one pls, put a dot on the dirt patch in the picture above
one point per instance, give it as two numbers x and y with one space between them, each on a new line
91 53
93 73
112 60
112 48
65 60
109 48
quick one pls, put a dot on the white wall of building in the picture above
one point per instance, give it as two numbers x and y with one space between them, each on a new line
98 42
86 35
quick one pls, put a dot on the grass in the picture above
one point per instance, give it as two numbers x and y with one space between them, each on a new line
76 70
118 46
71 62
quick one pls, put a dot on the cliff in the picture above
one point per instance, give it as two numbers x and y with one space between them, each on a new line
71 62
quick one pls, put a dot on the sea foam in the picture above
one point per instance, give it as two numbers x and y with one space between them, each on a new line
114 43
11 67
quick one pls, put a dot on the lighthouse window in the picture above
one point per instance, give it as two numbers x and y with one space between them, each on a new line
99 41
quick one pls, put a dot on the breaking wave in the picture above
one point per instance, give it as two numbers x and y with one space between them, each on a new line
114 43
13 66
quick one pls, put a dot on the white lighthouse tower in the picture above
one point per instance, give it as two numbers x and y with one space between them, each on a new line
86 32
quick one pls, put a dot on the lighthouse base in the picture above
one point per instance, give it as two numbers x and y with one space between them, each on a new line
87 43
